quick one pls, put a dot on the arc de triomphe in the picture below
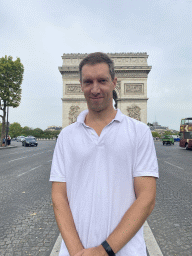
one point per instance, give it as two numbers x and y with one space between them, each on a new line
131 70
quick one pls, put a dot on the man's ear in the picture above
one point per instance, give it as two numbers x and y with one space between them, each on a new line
115 83
80 84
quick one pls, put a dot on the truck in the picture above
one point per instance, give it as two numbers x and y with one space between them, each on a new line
168 140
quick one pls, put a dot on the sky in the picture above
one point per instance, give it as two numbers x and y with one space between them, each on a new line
39 32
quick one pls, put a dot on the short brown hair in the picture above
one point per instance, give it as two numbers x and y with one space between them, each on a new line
95 58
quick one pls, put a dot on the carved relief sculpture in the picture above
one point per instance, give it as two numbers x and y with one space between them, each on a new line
73 89
133 88
73 113
118 87
134 112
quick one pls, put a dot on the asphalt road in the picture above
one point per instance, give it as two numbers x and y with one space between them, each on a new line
27 223
171 220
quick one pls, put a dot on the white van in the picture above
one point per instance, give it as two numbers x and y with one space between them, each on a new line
20 138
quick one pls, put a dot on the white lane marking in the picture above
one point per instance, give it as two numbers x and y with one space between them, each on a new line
21 152
17 159
13 153
28 171
27 156
56 248
174 165
151 243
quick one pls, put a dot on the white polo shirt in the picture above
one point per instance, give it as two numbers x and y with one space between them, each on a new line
99 173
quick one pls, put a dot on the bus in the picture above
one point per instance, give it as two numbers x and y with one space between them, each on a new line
186 133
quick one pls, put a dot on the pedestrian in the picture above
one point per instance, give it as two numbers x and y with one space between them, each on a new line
8 140
103 172
3 142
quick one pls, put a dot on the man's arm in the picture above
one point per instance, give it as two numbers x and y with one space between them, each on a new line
135 216
64 218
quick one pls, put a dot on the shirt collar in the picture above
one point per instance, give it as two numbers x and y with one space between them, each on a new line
81 117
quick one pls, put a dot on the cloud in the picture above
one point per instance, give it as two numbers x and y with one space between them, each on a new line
39 32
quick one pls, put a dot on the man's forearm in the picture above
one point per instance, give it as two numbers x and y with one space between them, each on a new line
66 225
131 222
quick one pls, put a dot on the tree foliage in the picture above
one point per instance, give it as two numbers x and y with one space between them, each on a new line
155 134
26 131
168 133
15 130
38 133
11 77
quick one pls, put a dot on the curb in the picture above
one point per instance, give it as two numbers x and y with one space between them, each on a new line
8 147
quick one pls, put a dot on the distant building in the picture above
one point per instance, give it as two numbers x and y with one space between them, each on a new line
54 128
157 127
160 129
174 131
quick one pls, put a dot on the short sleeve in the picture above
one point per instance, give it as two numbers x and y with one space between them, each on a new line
58 167
146 160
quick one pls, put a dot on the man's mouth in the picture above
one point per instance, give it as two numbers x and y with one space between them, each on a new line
97 98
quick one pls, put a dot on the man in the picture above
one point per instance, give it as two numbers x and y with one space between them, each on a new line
104 172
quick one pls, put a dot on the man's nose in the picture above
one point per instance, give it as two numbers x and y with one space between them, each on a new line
95 87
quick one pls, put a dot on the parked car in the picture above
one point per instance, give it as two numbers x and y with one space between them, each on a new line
20 138
176 137
28 142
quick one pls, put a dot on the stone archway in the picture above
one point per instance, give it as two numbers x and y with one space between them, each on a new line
131 70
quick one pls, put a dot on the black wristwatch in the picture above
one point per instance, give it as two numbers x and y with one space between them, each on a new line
108 249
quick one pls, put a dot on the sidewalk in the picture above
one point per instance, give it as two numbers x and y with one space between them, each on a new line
8 147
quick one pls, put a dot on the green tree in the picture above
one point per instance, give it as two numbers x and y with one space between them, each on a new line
167 133
155 134
15 130
38 133
50 134
11 77
26 131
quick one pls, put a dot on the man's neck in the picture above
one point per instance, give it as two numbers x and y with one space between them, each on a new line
100 117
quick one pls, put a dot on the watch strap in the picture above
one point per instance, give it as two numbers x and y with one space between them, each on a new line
108 249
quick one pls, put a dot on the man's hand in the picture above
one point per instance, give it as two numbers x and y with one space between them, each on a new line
95 251
80 253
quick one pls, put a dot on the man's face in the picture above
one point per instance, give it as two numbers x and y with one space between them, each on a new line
98 86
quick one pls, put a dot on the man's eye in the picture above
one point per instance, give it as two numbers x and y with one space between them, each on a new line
103 81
